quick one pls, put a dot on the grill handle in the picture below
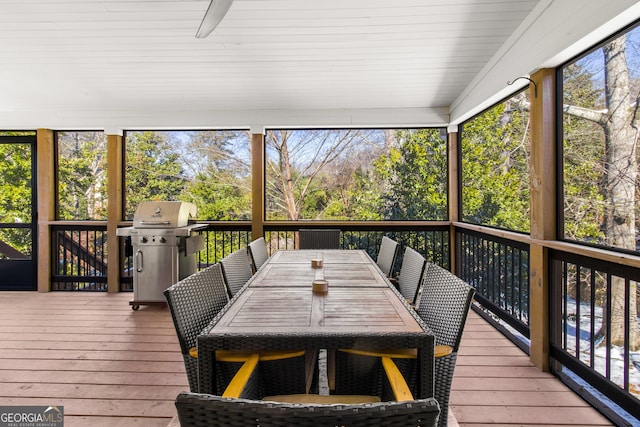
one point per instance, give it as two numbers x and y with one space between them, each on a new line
155 222
139 265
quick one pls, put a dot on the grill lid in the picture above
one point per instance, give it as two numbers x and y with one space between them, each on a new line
155 214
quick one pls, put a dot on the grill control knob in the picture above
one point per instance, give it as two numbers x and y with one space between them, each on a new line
144 240
163 240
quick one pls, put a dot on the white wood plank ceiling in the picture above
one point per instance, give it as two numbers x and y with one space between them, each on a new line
115 63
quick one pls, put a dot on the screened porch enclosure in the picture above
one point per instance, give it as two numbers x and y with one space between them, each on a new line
498 138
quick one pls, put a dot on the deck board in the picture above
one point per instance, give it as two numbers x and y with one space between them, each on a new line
110 366
105 363
495 384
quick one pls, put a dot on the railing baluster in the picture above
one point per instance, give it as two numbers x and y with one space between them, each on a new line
627 331
577 307
592 331
511 284
565 305
608 325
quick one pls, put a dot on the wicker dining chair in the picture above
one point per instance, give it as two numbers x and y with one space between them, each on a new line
258 253
194 301
411 273
444 307
387 255
236 269
319 239
242 405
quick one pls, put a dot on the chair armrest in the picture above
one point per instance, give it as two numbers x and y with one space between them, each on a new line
398 384
240 379
394 353
225 355
241 356
400 353
442 350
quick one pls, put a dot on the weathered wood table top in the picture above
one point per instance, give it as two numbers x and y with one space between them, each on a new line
329 256
297 310
278 310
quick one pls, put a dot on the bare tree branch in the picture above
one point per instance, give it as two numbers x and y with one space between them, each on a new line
596 116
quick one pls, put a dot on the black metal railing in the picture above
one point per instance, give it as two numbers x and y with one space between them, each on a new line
221 240
499 270
431 240
80 258
594 326
81 250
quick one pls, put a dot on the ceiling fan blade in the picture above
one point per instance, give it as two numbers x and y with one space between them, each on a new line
216 11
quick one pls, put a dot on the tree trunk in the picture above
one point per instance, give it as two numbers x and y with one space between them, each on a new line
287 179
621 170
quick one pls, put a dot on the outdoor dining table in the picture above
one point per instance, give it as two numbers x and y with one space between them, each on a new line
277 310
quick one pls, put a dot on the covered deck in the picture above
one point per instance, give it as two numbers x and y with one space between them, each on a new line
110 366
119 67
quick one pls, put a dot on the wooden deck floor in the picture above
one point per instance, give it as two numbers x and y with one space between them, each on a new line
495 384
110 366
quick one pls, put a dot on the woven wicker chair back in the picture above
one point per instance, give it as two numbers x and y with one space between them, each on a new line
236 268
258 253
319 239
199 410
387 255
445 304
194 301
411 272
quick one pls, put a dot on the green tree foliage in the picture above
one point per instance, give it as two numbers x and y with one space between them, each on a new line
349 188
583 158
153 170
366 201
220 180
82 175
15 183
495 167
210 169
414 176
15 195
217 201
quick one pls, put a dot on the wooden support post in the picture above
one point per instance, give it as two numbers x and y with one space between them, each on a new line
114 209
46 204
257 183
454 192
543 210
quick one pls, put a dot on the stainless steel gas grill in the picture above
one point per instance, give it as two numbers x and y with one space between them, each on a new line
164 248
